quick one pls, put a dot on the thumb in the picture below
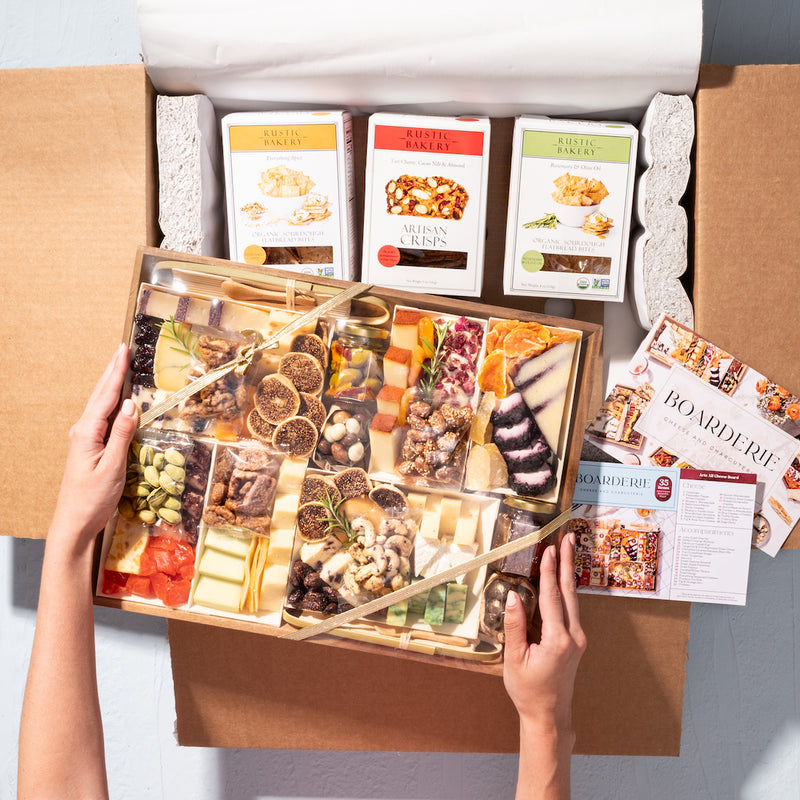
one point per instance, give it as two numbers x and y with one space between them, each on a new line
120 436
515 626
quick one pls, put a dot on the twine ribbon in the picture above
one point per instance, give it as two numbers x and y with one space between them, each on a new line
434 580
242 363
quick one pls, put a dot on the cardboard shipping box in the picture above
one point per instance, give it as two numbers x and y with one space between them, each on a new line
80 189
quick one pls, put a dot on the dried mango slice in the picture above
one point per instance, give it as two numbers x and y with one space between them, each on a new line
527 340
495 337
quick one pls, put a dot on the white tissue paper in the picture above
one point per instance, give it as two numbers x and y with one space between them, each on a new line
518 56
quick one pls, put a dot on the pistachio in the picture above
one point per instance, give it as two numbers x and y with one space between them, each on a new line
140 504
147 516
174 456
152 475
169 485
175 472
172 502
142 490
156 498
146 454
159 460
169 515
135 447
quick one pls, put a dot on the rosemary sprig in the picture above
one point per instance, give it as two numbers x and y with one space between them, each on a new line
547 221
431 369
181 335
337 522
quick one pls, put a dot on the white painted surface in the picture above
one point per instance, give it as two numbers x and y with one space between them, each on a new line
741 722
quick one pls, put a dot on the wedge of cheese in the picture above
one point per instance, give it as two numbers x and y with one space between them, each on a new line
544 382
127 546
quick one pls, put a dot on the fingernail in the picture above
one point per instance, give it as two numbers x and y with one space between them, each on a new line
128 408
512 600
572 540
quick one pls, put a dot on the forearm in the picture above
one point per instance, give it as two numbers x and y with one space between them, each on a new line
61 736
544 760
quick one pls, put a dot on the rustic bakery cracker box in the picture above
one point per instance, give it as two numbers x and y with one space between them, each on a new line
289 187
569 208
425 203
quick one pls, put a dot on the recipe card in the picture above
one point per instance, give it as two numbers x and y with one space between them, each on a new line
663 533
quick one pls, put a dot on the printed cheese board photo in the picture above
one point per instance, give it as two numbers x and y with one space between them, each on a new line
300 455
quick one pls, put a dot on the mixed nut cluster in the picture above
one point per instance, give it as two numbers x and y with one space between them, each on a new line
224 399
433 445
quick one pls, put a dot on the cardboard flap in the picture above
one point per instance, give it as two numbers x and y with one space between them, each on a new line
235 689
746 292
78 175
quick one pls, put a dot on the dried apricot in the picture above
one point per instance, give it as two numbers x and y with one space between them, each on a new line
493 376
426 336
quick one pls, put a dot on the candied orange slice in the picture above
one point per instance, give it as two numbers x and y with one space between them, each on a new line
426 336
526 340
418 357
495 337
405 400
493 376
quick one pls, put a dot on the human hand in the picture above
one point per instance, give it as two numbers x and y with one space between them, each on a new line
94 475
540 678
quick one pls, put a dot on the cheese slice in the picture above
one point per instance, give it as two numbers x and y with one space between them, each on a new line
281 541
284 511
291 474
544 382
431 518
273 587
315 554
173 361
426 555
332 571
450 511
467 525
227 543
235 317
127 546
217 593
222 565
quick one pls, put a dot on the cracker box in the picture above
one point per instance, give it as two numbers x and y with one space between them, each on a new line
289 184
425 203
569 208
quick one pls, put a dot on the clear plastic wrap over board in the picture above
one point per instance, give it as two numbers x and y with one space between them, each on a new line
324 489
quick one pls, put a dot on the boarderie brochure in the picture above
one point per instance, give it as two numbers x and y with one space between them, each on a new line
684 402
663 533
